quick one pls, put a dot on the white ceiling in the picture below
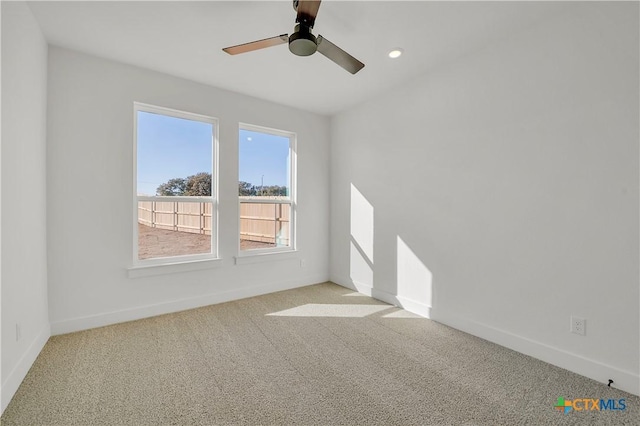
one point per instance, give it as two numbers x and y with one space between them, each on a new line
185 39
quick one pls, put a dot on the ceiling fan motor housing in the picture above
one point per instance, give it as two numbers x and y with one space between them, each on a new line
302 42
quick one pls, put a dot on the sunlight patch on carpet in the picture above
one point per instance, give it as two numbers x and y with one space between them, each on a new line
355 293
401 314
331 310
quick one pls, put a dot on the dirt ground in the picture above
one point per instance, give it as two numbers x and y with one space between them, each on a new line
154 242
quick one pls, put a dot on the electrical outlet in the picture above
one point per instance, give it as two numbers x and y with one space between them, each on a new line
578 325
303 263
18 332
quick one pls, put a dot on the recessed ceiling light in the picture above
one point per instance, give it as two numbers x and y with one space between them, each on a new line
395 53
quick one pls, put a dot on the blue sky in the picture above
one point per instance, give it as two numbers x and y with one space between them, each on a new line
263 154
170 147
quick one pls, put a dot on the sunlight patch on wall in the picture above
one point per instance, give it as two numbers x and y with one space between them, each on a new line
362 222
414 278
361 270
331 310
361 247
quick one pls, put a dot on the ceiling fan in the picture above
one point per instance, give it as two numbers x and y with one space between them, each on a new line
302 42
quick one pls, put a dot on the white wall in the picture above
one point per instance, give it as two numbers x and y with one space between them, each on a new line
90 187
500 193
24 209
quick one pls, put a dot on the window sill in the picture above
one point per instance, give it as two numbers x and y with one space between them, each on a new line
171 268
266 257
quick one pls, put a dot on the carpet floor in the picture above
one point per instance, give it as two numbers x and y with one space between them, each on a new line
318 355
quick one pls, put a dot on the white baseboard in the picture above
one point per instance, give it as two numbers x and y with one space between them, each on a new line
627 381
600 372
109 318
17 375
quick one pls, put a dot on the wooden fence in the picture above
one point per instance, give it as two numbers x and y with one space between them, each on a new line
182 216
265 222
260 222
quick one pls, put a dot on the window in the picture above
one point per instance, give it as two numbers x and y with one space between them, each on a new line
175 172
266 189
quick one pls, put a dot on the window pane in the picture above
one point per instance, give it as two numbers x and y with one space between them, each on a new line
170 150
174 161
264 225
265 164
173 228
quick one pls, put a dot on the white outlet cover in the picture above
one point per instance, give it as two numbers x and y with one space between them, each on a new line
578 326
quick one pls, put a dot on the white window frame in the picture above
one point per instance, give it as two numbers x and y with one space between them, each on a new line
292 200
213 199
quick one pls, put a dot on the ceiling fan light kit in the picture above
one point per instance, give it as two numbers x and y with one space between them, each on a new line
302 42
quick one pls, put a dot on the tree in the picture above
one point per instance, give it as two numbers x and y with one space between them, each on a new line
274 190
198 185
246 189
172 187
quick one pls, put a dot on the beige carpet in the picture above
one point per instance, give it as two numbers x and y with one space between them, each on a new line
320 355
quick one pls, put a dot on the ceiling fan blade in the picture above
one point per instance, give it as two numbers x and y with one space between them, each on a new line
255 45
307 12
339 56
